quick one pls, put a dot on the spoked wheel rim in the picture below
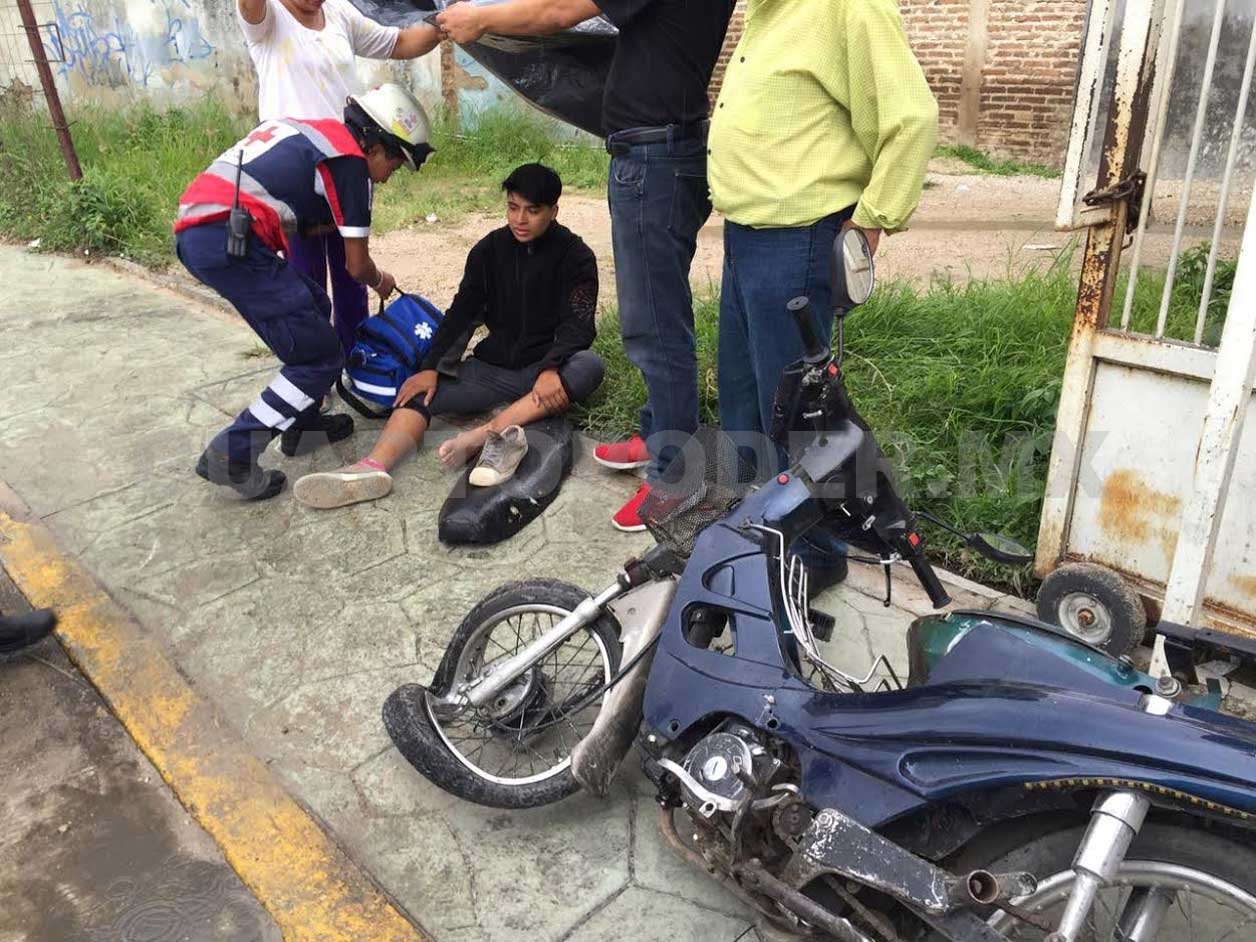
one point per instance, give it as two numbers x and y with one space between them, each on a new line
1203 907
527 733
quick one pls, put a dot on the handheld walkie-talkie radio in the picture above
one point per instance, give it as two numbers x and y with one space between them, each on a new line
240 221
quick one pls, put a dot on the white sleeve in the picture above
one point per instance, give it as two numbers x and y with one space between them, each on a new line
257 32
371 40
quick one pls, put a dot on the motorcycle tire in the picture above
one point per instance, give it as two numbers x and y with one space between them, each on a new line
413 729
1049 855
1094 604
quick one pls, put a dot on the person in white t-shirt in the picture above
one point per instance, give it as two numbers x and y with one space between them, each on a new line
304 52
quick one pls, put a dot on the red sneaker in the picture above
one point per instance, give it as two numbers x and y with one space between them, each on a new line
623 456
628 518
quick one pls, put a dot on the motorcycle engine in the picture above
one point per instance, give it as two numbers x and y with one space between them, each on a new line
725 770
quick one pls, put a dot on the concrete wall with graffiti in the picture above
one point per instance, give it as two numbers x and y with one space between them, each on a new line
111 51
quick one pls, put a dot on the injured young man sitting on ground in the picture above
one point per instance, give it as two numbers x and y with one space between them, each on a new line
533 284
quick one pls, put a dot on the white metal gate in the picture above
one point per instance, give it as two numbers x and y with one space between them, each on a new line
1150 474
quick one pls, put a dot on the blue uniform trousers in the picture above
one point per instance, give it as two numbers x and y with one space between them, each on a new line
292 316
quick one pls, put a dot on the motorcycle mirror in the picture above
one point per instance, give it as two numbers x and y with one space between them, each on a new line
854 274
1000 548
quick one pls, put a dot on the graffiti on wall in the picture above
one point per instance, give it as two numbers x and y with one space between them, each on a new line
109 49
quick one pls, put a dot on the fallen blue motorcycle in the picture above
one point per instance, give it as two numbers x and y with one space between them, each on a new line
1017 784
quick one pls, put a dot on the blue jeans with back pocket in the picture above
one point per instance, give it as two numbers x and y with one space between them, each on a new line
658 201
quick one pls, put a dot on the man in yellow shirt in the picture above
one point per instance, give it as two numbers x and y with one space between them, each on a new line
824 120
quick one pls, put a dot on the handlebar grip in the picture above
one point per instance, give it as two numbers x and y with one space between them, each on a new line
929 579
800 307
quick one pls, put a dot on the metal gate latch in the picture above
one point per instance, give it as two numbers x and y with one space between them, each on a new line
1131 188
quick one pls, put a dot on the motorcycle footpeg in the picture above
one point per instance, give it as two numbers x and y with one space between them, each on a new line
822 624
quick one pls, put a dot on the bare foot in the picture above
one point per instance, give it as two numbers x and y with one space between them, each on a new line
458 450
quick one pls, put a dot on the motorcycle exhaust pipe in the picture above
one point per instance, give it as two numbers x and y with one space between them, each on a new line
983 888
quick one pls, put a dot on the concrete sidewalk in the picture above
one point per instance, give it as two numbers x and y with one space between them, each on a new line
297 624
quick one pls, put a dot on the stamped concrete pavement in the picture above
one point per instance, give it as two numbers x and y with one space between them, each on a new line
297 624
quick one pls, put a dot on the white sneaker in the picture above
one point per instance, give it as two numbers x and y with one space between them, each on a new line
500 457
348 485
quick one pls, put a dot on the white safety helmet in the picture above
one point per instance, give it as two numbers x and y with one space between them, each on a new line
392 116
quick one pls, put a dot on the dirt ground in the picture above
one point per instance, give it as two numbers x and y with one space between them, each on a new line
968 226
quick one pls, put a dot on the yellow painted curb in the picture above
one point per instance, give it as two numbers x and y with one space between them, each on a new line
312 889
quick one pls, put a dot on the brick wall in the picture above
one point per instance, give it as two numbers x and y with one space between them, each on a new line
1026 95
730 43
1027 84
1030 76
938 31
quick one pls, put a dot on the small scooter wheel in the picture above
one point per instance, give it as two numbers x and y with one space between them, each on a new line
1094 604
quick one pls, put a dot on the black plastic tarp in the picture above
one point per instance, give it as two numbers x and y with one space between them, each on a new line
562 74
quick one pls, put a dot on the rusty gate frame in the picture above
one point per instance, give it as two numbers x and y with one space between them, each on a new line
1110 213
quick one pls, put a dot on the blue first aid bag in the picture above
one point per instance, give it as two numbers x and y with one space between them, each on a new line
388 350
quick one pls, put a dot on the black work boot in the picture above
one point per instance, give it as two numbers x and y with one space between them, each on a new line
319 430
245 478
21 631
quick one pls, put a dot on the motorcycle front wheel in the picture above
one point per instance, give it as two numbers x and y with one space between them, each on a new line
1177 884
514 752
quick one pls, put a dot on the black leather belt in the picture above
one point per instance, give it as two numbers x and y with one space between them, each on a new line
621 142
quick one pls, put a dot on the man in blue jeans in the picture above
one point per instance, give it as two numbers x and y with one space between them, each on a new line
655 120
824 120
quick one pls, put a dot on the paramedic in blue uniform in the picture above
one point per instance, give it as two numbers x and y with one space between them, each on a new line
296 176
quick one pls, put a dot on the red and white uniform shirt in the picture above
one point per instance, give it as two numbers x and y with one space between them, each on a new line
295 173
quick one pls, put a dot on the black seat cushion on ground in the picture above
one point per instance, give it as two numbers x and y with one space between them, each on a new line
491 514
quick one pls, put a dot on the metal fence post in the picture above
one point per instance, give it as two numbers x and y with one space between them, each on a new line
59 124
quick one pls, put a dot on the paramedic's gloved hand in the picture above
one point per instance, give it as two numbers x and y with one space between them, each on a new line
386 286
421 384
549 394
461 22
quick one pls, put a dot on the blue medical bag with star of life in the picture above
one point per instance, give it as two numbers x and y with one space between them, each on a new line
388 350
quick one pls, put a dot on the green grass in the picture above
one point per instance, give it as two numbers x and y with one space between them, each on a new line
979 160
137 161
1188 285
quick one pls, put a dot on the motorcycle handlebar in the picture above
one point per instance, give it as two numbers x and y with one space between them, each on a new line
929 579
800 307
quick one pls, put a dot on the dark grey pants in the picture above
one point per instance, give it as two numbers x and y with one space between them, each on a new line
480 386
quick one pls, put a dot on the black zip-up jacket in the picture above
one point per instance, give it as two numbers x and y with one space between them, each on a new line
537 299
